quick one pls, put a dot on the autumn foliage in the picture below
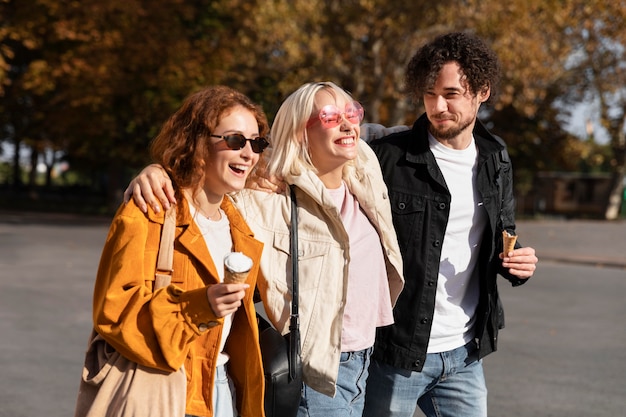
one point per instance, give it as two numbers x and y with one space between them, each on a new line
93 80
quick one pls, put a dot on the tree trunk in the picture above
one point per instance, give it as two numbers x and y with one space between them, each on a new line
615 127
616 190
49 161
17 172
615 197
34 161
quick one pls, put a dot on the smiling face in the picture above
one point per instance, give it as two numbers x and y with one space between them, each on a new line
227 169
452 108
331 148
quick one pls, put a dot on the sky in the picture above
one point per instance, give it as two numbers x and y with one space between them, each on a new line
577 125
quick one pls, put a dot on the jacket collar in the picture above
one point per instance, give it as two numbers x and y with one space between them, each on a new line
353 174
191 238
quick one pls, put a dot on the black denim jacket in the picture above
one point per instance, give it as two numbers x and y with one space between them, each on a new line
420 204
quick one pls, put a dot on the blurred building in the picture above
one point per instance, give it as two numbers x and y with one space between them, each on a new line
571 194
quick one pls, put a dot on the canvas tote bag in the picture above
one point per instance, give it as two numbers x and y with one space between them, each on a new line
113 386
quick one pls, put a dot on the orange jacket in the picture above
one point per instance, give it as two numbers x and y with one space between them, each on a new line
175 326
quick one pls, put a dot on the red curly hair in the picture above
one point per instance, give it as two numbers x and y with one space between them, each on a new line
182 145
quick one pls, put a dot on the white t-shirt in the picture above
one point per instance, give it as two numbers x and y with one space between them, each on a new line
458 285
219 242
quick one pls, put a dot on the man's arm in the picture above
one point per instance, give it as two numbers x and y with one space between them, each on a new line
522 261
373 131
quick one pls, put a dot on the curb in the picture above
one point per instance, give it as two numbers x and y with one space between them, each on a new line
584 260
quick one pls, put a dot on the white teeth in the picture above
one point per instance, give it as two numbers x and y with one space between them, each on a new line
346 141
240 167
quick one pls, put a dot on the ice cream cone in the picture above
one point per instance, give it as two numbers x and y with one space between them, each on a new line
508 242
236 268
235 277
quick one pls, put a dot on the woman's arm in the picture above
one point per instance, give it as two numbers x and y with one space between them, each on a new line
152 186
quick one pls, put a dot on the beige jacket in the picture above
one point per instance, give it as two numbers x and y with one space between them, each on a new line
323 257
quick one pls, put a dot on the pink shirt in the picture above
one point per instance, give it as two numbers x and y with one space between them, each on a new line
368 303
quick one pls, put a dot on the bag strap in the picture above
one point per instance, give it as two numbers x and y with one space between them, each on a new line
294 320
164 270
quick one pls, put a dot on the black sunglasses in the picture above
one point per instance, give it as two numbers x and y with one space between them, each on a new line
237 141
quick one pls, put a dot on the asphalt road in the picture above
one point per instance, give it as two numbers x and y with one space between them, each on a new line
562 352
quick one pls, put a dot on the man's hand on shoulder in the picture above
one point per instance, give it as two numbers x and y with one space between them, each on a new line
372 131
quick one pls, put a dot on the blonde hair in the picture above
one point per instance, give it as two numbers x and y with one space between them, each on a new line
289 140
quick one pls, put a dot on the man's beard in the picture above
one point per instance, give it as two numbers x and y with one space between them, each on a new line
451 133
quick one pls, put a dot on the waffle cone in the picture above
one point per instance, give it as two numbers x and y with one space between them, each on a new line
235 277
508 242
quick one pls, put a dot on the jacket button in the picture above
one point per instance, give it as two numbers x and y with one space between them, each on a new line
401 206
417 363
424 321
436 243
442 206
431 283
203 327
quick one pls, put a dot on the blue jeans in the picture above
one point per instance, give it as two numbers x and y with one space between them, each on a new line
451 384
224 404
349 398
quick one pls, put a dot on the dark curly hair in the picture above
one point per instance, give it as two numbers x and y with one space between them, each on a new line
479 64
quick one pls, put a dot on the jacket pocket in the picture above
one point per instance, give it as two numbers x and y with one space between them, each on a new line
311 260
408 217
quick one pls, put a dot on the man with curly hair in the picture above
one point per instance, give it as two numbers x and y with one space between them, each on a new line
450 186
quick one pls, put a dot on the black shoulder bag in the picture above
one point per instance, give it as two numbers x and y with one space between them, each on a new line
282 364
